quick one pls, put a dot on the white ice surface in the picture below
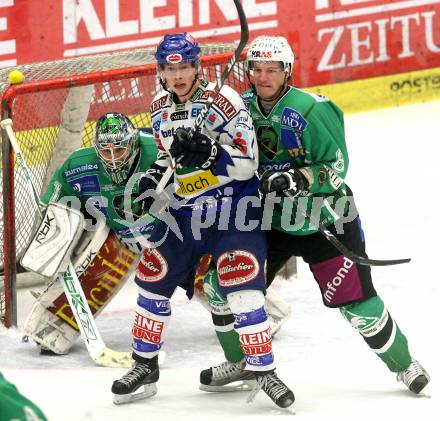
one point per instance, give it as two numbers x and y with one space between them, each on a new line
393 172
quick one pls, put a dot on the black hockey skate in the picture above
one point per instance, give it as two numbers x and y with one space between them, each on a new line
269 382
145 372
415 377
227 377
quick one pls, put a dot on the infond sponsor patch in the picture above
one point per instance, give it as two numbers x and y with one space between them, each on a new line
337 280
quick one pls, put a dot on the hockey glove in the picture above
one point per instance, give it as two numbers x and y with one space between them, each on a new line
148 182
200 151
292 181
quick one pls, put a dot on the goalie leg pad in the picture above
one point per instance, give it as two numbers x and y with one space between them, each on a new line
277 310
51 322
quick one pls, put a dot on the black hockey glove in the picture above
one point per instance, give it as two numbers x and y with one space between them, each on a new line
149 181
292 181
200 151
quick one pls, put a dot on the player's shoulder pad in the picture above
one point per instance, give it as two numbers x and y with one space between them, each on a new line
146 137
79 161
247 96
145 132
84 155
158 102
311 96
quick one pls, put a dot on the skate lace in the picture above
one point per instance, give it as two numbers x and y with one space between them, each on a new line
226 369
133 375
411 373
271 384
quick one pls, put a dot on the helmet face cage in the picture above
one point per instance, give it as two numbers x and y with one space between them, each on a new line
116 143
270 49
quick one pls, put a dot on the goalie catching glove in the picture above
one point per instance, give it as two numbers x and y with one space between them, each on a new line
292 181
199 151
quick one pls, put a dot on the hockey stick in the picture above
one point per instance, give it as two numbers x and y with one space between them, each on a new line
72 288
337 244
219 84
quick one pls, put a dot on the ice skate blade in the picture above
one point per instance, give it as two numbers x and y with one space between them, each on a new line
149 391
241 386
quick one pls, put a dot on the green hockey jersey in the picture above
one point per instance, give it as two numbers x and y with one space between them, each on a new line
82 182
16 407
303 130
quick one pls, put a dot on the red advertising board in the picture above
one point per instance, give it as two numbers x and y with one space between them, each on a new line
334 40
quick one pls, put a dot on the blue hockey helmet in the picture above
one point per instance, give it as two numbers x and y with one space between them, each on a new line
177 48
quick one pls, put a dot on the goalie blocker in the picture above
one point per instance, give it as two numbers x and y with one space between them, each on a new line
103 264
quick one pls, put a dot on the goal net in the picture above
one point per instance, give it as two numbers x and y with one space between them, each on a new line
54 112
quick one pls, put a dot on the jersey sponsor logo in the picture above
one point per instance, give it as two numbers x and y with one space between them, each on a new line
221 103
247 95
339 164
179 115
291 140
152 267
332 285
260 360
237 267
210 120
142 229
240 142
147 329
87 184
196 183
195 112
81 169
158 104
276 166
156 125
256 343
293 119
168 133
225 106
334 179
174 58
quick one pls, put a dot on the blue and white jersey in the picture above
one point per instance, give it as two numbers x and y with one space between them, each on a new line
228 121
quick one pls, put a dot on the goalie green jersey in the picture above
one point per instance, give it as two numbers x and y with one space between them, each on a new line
303 130
81 181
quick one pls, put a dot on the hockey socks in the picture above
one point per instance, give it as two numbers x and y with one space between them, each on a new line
152 315
380 332
253 329
222 318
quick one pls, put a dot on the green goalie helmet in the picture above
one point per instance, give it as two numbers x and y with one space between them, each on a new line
117 145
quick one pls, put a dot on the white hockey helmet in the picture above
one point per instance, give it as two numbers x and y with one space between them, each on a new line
270 49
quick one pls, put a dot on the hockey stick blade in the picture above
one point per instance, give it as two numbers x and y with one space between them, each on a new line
117 359
360 260
244 37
